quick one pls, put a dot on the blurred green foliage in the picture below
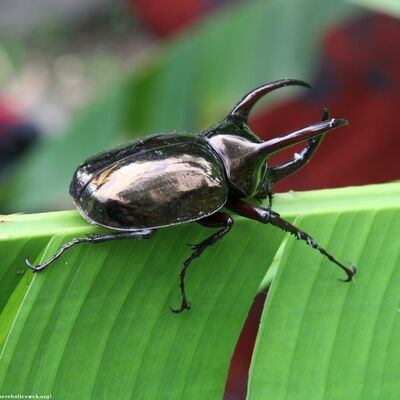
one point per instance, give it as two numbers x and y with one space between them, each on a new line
187 85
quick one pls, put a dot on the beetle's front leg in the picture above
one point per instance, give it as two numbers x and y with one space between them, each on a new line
94 238
281 171
270 217
264 193
217 220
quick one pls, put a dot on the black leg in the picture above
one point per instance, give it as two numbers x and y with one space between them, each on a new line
281 171
216 220
95 238
270 217
264 193
270 198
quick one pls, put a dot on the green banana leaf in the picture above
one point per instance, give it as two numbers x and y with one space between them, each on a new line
97 324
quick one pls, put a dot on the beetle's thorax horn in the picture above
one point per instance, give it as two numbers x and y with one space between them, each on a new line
244 106
241 111
279 143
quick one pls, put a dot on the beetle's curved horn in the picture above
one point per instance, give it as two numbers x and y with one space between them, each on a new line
279 143
280 171
244 106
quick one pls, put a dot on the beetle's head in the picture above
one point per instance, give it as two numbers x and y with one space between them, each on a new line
313 134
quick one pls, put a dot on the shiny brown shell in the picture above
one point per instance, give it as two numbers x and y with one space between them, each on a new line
163 180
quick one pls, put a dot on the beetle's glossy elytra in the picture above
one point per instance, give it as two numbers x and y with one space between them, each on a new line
173 178
151 186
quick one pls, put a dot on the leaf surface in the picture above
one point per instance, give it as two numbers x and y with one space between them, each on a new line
97 324
323 339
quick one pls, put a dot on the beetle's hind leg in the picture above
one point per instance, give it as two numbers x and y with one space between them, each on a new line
94 238
270 217
217 220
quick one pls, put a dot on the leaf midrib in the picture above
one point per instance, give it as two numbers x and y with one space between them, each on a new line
290 204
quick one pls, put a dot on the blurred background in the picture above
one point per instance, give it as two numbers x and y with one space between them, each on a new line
78 77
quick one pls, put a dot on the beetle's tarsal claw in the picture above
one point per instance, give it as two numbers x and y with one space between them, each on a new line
31 266
184 306
350 274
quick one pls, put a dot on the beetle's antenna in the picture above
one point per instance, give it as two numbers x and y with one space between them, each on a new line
243 108
279 143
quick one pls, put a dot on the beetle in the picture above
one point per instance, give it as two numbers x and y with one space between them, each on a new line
174 178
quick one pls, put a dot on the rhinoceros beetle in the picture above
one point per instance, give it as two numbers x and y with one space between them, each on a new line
174 178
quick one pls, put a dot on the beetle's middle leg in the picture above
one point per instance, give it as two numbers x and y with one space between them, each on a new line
94 238
217 220
270 217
